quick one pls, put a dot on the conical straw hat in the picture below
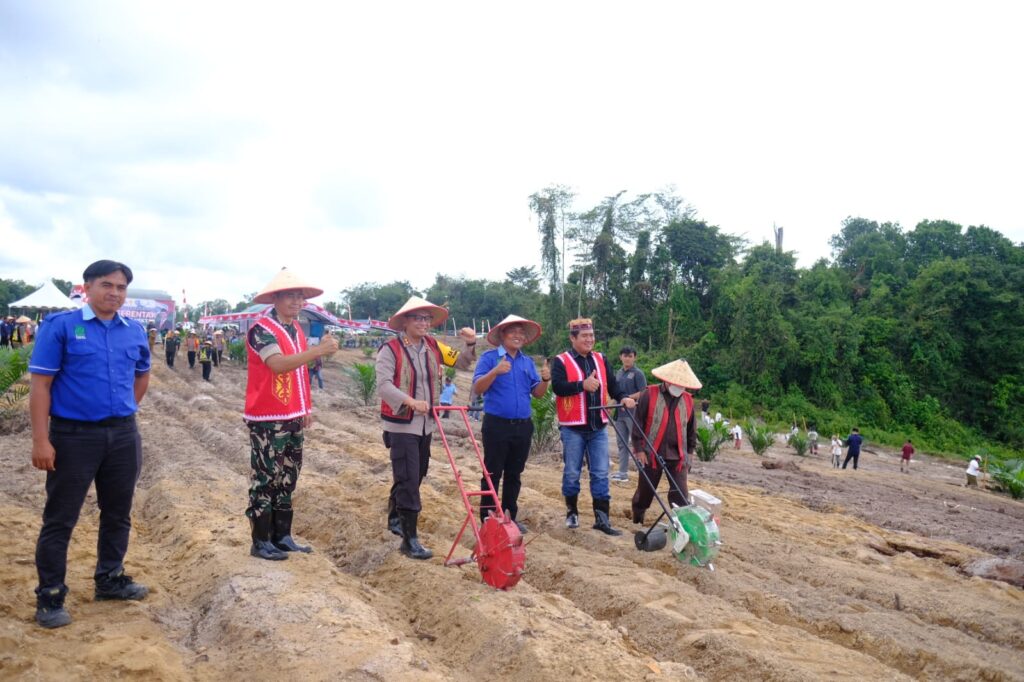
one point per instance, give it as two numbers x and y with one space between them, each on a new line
23 319
397 321
677 372
286 280
531 327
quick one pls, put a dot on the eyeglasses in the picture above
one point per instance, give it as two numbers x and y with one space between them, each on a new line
419 318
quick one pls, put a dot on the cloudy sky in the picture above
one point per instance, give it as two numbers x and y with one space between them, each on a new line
208 144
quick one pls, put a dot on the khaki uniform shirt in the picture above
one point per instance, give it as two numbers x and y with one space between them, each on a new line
393 396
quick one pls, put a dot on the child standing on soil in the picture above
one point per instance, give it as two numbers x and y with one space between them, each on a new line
447 395
737 436
837 451
908 450
206 359
812 438
314 371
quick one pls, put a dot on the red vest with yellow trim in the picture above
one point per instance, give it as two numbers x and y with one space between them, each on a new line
656 424
572 409
405 378
277 397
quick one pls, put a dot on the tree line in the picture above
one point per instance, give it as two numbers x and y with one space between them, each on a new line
909 333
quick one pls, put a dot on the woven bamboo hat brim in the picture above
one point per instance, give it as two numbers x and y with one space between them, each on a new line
286 280
397 321
531 327
677 372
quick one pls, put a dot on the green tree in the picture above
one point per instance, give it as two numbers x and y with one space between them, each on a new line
376 301
550 204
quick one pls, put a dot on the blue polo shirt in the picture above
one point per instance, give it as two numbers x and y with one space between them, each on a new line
93 364
509 394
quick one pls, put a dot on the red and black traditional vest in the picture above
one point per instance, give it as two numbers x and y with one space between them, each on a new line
656 424
572 409
405 378
277 397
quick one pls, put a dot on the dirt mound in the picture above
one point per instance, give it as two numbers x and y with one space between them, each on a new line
824 573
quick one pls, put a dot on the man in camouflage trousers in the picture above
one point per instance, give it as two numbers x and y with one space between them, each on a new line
276 459
277 409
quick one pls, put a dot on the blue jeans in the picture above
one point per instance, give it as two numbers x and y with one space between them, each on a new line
594 446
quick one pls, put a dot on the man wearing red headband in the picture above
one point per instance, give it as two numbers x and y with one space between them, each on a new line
582 380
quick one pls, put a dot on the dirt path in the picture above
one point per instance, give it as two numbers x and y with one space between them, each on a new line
824 574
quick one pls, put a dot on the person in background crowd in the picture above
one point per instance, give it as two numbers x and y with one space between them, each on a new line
972 471
632 381
192 347
218 348
853 443
315 369
448 392
6 328
206 359
171 344
908 451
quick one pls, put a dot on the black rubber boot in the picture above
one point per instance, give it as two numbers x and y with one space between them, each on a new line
282 534
411 546
572 512
262 547
117 585
638 516
601 521
394 522
50 611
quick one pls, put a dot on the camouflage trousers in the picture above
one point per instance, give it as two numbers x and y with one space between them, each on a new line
276 460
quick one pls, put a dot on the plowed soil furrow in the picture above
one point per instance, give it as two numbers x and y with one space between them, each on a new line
818 577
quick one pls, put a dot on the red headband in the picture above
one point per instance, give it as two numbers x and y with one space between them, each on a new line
581 327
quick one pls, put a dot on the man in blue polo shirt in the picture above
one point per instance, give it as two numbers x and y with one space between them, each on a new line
508 378
90 369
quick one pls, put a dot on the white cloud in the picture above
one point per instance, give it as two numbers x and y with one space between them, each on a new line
209 144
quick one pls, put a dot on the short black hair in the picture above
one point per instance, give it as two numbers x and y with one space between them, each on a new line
104 267
627 350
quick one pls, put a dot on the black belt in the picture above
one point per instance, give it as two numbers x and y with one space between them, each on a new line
102 423
503 420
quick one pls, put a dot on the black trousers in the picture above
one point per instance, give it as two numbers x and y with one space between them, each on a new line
851 455
644 494
506 448
410 458
170 358
207 367
112 457
191 359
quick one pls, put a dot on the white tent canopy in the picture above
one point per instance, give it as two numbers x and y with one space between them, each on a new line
46 297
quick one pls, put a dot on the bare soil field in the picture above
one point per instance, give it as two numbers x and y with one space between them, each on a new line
824 574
